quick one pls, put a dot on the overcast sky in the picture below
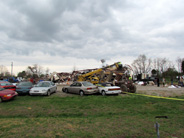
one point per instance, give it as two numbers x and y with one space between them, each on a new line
61 34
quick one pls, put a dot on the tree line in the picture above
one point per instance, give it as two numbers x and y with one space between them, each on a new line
158 66
142 64
34 71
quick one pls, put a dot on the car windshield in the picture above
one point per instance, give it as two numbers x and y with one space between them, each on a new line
87 84
1 89
43 84
24 84
6 84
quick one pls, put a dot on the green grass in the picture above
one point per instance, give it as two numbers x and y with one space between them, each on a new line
127 116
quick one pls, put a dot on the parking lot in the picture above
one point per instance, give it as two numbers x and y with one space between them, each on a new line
63 114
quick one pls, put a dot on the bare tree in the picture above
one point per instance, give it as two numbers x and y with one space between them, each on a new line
35 69
142 64
179 64
162 64
74 68
47 71
182 66
3 70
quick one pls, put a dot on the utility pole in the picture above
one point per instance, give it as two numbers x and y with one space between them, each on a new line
12 69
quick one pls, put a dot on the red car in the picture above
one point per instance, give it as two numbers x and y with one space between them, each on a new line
7 94
7 85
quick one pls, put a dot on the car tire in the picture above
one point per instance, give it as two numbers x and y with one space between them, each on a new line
48 93
133 89
81 93
66 90
1 100
124 88
55 90
103 93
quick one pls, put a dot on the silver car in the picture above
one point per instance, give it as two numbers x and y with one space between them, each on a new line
81 88
43 88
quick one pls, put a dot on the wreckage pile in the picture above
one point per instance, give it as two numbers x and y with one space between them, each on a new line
116 73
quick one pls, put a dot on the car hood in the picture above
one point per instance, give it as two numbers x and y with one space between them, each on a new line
23 87
7 92
7 86
40 88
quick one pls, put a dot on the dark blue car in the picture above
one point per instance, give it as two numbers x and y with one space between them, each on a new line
23 88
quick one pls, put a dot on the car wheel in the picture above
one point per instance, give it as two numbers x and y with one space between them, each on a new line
124 88
103 93
66 90
133 89
48 93
81 93
0 100
55 90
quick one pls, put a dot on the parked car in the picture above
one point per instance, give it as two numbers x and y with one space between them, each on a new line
7 94
81 88
7 85
43 88
23 88
108 88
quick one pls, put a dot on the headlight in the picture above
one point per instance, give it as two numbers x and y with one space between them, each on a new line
44 90
7 95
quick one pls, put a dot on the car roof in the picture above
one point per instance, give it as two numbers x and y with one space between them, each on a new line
45 81
4 82
82 81
25 81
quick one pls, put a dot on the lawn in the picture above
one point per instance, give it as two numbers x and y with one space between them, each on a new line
127 116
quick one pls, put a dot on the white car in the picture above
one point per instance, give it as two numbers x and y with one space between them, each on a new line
43 88
108 88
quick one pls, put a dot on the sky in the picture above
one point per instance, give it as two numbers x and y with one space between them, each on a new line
65 34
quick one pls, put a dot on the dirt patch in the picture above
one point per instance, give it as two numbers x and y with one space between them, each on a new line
60 93
160 91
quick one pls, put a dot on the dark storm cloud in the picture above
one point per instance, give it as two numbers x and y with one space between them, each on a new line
42 20
90 29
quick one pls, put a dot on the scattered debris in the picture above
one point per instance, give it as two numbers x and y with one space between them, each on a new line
174 86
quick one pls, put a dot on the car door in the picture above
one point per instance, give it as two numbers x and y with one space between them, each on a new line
53 87
71 89
78 87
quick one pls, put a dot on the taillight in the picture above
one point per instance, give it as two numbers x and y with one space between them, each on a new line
114 89
89 88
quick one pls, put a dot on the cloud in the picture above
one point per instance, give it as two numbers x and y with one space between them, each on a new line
44 31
